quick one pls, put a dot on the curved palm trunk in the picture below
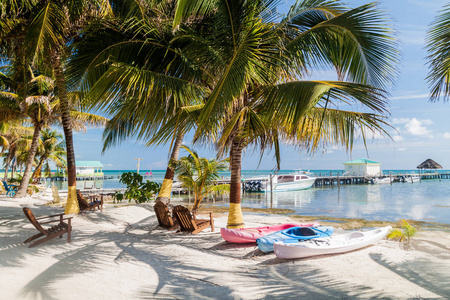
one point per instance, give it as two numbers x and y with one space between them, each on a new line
72 203
22 191
38 167
235 218
5 177
166 187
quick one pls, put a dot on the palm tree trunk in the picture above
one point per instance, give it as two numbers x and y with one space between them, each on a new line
38 167
235 218
5 178
72 203
22 191
166 188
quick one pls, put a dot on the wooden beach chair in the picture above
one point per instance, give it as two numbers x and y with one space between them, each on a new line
164 217
85 205
188 221
50 233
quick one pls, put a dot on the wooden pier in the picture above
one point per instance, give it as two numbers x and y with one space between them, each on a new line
360 179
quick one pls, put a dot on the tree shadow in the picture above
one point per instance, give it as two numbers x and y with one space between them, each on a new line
418 272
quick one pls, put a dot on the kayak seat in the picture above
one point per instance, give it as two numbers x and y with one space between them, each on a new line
303 231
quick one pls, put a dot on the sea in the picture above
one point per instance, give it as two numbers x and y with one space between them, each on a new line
428 200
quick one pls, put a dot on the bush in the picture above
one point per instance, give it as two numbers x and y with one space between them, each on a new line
402 234
138 190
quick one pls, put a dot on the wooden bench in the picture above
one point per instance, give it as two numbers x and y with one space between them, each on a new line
164 217
188 221
55 231
85 205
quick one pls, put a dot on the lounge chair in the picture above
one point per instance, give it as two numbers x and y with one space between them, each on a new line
85 205
10 189
164 217
50 233
188 221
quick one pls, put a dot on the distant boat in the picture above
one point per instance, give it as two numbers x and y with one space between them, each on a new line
280 183
385 180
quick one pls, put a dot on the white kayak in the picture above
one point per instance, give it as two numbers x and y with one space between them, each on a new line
331 245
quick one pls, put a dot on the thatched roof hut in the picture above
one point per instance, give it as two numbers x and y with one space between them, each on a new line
429 164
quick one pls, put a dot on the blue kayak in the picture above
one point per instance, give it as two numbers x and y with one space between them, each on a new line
293 235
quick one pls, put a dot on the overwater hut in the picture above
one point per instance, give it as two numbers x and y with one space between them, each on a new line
363 167
429 165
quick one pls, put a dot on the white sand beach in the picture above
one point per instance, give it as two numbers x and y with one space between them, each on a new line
121 253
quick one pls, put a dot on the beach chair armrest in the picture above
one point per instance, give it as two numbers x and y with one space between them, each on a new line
53 221
46 217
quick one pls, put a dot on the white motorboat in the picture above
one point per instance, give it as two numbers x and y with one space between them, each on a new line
280 183
331 245
385 180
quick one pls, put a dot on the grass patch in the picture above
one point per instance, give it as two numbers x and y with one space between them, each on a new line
349 223
224 210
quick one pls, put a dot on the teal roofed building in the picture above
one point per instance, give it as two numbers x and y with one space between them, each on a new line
363 167
89 168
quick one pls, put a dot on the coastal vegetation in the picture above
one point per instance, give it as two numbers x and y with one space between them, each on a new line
198 175
136 188
235 73
403 234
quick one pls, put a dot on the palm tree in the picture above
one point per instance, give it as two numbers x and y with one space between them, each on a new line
199 174
51 149
12 135
47 31
42 108
437 44
257 98
148 82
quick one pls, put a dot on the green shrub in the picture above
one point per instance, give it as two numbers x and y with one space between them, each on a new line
402 234
136 189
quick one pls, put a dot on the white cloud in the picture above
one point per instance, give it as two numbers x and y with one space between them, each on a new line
419 96
418 127
414 126
397 138
401 149
446 135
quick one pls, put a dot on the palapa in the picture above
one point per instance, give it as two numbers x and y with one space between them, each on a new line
429 164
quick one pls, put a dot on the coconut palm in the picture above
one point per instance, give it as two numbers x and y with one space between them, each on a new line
134 70
437 44
242 66
199 174
258 99
12 135
47 29
51 149
41 108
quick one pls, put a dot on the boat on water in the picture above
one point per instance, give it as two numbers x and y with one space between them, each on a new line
280 183
385 180
250 235
293 235
332 245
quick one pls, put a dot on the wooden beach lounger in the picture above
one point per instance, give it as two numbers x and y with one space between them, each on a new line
85 205
50 233
164 217
189 223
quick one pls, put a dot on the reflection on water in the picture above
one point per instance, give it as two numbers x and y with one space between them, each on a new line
425 201
428 200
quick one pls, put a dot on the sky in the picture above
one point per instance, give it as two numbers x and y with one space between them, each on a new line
421 128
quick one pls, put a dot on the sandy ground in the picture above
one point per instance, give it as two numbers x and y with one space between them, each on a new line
122 254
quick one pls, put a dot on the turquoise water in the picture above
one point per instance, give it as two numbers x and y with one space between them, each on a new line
428 200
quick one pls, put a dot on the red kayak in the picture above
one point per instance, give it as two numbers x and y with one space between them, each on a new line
250 235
